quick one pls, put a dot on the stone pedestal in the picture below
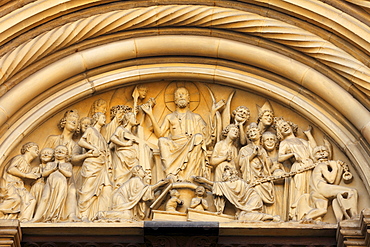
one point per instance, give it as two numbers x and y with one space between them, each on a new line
196 215
168 216
355 232
10 233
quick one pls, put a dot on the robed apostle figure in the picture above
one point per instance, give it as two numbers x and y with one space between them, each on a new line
182 136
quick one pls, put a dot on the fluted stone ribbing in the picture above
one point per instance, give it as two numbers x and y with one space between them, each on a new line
185 15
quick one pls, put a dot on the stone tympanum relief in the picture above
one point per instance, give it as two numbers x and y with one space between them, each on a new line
190 152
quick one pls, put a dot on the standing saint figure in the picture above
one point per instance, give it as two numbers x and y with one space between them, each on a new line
183 151
17 202
255 165
52 207
94 195
281 186
225 151
298 152
70 127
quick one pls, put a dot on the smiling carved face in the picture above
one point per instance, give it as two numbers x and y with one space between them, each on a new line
242 115
233 133
60 152
71 122
254 134
285 128
269 141
46 155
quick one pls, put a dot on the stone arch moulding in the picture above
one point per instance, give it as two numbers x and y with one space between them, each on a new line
169 45
349 62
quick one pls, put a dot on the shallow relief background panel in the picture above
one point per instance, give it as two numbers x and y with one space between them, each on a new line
202 97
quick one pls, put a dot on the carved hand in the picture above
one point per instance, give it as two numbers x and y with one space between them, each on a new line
95 152
297 157
147 109
308 130
217 106
90 153
229 157
33 175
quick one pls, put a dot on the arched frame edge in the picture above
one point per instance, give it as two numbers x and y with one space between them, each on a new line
170 45
200 72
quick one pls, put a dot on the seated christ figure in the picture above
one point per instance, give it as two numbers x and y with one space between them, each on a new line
181 138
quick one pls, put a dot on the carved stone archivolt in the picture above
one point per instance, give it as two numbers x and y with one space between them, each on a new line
174 151
186 15
177 123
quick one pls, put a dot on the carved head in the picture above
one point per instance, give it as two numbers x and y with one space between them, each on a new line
70 121
269 141
138 171
148 176
232 131
129 118
321 153
118 111
200 191
285 128
265 114
174 193
256 164
182 97
99 118
253 132
46 155
85 123
99 105
229 174
241 114
142 90
61 152
31 148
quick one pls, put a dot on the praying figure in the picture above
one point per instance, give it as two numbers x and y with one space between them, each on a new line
199 202
174 201
46 156
225 151
52 207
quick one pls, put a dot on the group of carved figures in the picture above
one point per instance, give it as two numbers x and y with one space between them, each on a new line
95 171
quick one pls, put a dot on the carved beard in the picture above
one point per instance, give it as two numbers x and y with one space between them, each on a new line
181 103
